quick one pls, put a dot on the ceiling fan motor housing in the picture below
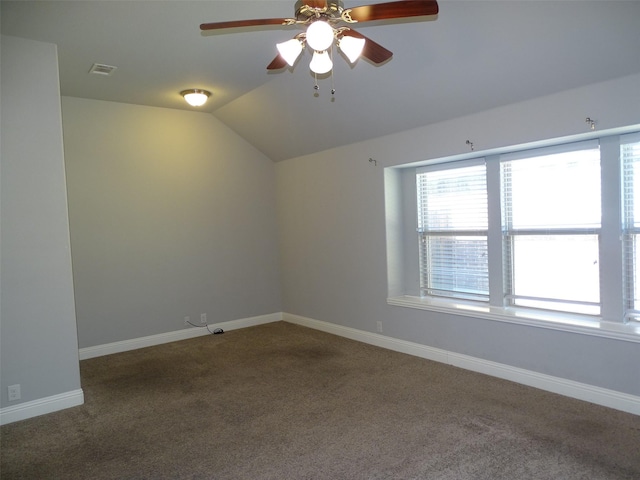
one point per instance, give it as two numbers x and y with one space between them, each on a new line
329 10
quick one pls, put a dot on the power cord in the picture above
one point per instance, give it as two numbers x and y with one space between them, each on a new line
216 331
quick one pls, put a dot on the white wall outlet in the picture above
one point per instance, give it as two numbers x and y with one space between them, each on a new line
203 318
379 326
186 320
14 392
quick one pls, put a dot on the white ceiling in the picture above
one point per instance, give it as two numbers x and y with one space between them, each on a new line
473 56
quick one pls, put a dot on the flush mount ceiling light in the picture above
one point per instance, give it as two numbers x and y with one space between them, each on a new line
321 18
195 97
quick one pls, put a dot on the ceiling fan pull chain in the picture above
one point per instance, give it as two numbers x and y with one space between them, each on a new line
333 88
316 87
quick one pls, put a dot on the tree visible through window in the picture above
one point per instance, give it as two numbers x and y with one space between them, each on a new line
452 224
549 224
554 229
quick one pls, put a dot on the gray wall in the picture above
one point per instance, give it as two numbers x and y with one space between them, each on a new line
172 215
39 347
332 214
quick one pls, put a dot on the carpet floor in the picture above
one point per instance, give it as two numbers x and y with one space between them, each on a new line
280 401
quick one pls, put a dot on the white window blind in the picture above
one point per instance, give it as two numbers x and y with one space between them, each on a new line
452 228
551 207
550 233
630 157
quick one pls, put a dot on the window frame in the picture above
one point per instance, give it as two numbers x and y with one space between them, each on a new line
404 277
630 233
511 233
424 233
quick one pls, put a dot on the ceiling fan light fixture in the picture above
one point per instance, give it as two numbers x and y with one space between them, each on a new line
320 35
321 63
290 50
322 19
351 47
195 97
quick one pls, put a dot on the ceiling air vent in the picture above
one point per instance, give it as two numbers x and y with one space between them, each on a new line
100 69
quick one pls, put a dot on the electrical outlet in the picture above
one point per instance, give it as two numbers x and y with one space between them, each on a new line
203 318
379 326
14 392
186 320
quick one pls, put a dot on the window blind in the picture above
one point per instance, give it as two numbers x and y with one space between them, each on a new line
630 158
551 207
452 227
552 191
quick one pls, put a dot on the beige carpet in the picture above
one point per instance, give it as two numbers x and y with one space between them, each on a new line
280 401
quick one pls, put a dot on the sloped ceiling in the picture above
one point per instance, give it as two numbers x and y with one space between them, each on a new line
473 56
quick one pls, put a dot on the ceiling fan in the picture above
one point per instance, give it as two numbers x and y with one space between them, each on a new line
327 21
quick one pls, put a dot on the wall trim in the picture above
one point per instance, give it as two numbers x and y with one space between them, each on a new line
41 406
629 332
183 334
581 391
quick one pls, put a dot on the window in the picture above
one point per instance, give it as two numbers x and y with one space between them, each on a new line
630 155
551 221
547 234
452 226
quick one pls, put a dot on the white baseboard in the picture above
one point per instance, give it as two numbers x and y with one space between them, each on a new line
600 396
41 406
183 334
581 391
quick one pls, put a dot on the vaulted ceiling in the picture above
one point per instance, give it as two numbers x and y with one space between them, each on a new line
474 55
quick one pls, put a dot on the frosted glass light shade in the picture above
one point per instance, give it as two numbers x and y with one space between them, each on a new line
351 47
290 50
195 97
320 63
319 35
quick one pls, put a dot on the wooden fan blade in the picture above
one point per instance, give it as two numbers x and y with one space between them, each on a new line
383 11
372 50
277 63
243 23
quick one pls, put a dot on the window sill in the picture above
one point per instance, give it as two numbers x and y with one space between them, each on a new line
629 332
